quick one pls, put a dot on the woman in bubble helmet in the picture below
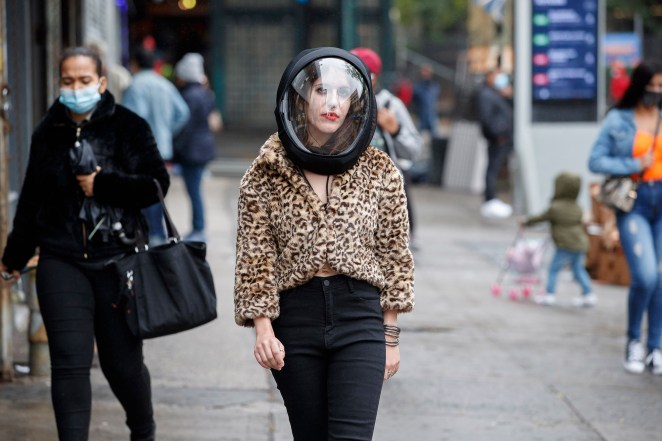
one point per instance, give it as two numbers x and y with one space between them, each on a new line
323 265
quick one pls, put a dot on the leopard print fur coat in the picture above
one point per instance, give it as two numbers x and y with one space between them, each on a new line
285 234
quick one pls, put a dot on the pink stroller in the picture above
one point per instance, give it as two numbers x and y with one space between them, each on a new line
523 263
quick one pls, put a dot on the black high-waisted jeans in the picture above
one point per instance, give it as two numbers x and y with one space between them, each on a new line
76 304
332 330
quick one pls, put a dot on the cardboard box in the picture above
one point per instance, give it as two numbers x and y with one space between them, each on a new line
605 260
593 190
600 214
612 267
594 249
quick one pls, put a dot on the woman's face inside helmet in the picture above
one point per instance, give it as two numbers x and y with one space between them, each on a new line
327 105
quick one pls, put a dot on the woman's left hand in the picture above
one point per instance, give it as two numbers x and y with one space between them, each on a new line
387 120
392 361
86 182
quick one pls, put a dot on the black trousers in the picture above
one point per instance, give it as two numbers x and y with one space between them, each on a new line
332 330
497 156
76 305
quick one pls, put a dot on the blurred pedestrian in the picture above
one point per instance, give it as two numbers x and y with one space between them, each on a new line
628 144
118 77
396 133
619 80
495 113
75 286
194 145
404 89
158 101
426 97
323 267
565 216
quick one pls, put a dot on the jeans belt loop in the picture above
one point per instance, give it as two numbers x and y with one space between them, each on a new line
350 284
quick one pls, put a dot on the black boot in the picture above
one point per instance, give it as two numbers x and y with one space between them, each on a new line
148 435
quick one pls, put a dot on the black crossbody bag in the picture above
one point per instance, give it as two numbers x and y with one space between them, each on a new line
168 288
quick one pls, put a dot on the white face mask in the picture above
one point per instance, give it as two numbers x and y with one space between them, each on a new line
501 81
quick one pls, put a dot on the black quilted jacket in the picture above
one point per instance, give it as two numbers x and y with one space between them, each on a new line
50 200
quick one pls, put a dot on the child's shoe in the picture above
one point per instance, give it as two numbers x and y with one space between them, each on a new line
634 357
586 300
547 299
654 362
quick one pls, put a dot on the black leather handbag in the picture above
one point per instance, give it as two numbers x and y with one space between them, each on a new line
168 288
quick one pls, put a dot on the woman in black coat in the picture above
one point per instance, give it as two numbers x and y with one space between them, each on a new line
91 169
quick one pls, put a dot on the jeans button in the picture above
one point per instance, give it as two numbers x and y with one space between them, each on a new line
326 283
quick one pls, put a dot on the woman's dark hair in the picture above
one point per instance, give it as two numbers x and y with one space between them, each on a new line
639 79
82 51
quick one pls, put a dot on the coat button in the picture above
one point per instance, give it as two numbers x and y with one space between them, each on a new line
327 283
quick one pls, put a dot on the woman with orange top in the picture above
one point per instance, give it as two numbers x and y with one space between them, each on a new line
630 143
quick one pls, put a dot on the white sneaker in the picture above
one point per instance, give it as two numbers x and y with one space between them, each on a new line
547 299
586 300
495 209
654 362
634 357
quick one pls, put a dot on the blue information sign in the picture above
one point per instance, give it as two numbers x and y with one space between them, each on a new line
564 50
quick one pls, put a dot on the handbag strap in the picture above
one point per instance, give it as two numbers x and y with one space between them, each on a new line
657 128
173 234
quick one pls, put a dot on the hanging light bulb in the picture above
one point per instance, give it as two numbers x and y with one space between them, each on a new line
186 5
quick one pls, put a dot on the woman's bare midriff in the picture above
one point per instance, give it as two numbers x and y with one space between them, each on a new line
326 271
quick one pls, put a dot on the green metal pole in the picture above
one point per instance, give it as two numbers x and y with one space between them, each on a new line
348 24
300 28
387 44
217 54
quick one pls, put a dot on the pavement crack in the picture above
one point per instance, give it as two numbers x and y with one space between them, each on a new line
516 359
564 398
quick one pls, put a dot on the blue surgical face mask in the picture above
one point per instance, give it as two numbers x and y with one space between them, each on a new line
501 81
81 100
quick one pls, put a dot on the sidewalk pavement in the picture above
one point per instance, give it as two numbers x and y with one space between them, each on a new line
474 367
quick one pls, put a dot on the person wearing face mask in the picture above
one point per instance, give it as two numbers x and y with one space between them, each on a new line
629 143
76 288
495 114
396 133
323 265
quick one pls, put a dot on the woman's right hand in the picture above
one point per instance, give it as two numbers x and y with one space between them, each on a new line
9 276
646 160
269 351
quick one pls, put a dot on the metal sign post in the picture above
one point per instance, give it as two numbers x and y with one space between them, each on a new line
559 92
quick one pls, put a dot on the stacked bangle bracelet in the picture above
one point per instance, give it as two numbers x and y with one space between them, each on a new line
393 332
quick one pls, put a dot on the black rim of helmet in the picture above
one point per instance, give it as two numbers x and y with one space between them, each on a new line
285 126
